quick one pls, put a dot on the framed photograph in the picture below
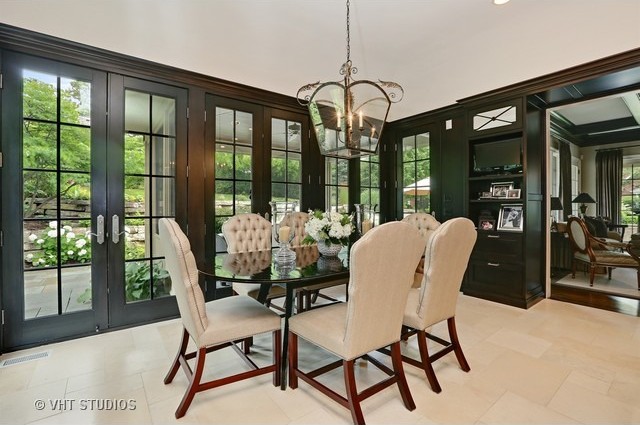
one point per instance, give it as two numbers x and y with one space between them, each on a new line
500 190
485 195
511 218
513 193
486 224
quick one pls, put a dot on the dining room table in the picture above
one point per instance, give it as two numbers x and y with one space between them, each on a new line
262 267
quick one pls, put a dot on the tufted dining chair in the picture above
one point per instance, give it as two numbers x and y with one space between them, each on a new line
307 295
382 263
212 325
426 225
249 233
446 258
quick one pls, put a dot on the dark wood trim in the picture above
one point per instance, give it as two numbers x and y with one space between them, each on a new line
596 299
573 75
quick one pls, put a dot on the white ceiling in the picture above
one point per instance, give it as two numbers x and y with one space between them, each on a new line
438 50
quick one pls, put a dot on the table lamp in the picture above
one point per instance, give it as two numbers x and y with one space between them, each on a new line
556 205
583 198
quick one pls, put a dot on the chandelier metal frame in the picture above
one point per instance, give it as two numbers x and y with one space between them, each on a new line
333 113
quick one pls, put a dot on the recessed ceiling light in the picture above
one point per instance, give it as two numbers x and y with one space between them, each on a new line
499 2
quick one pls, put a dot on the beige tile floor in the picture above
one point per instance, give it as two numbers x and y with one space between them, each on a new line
556 363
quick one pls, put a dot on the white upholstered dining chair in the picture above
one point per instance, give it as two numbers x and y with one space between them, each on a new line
307 295
446 258
426 225
212 325
382 263
250 233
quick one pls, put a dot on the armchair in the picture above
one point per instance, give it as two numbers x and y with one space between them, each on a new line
610 255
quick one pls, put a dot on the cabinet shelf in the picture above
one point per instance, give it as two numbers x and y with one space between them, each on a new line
495 200
496 177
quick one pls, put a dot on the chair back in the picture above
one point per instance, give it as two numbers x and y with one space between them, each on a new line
382 263
296 220
426 224
578 235
181 264
247 232
446 259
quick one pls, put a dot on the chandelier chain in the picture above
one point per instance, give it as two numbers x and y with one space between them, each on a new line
348 35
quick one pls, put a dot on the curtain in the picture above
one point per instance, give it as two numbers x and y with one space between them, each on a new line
609 184
565 178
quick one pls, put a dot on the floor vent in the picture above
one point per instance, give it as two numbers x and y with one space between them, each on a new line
25 358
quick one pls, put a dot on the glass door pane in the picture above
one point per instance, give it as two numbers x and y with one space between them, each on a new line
149 185
148 164
56 151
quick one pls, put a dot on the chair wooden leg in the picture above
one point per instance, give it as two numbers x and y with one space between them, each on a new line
455 342
246 345
176 362
293 360
592 274
426 362
193 384
352 392
277 356
396 358
573 269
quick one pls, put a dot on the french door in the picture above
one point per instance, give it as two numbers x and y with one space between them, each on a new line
84 182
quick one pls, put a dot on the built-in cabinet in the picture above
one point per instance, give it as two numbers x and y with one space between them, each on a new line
497 201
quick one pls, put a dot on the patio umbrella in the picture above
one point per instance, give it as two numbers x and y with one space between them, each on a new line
421 187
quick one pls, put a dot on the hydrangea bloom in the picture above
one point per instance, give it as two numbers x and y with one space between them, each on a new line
328 227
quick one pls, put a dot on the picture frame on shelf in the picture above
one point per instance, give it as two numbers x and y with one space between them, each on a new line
486 224
485 195
513 193
500 190
511 218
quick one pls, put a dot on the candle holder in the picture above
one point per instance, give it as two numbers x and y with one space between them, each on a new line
283 235
365 217
282 232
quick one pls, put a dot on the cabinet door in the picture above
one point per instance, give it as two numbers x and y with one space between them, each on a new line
497 281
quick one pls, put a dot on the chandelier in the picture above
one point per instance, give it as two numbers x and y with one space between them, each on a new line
348 115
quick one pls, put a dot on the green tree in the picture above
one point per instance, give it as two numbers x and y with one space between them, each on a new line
42 141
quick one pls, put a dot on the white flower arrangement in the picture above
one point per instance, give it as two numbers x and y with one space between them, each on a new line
330 227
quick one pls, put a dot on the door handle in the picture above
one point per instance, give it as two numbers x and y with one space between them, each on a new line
115 229
99 229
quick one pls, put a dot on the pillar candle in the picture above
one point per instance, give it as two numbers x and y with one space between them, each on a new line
366 226
283 233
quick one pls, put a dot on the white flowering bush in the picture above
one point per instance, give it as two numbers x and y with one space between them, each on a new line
73 247
328 227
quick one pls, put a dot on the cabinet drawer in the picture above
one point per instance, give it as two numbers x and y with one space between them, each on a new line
498 247
495 278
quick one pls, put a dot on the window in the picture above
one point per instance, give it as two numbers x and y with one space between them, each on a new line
575 183
370 185
416 171
286 161
336 184
233 163
630 204
555 180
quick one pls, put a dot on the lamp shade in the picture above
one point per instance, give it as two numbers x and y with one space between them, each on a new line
556 204
583 198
